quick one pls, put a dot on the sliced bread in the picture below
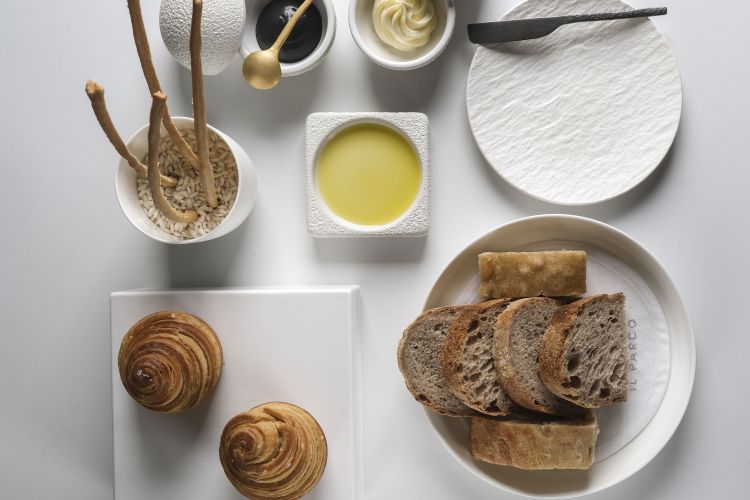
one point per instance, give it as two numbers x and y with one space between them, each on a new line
467 361
584 356
535 442
419 361
518 339
530 274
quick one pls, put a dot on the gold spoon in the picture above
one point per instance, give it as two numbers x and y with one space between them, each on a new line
261 68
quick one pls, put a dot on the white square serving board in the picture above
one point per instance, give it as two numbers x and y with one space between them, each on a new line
299 345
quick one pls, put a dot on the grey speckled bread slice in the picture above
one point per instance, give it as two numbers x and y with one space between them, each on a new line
467 361
518 338
535 442
419 361
584 356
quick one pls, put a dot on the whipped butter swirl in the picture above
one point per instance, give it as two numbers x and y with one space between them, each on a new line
404 24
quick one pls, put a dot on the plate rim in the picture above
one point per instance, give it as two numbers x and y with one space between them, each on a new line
688 334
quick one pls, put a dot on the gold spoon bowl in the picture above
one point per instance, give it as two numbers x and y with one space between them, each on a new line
261 68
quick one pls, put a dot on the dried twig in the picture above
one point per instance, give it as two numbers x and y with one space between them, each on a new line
199 106
147 64
154 139
96 94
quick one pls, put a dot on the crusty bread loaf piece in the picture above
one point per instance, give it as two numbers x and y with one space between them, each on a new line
467 361
584 356
535 442
518 338
532 274
419 361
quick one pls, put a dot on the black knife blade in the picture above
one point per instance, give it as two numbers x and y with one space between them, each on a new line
529 29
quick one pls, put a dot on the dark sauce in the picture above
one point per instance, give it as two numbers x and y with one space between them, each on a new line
304 37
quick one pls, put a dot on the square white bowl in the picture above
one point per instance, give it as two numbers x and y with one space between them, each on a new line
321 128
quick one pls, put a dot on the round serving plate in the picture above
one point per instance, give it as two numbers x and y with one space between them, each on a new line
582 115
616 260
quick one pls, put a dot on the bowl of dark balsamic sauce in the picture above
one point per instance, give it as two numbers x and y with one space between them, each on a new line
309 42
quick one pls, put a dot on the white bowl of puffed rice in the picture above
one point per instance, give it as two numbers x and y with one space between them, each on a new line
234 176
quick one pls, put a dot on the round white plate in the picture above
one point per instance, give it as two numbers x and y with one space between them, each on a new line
582 115
612 254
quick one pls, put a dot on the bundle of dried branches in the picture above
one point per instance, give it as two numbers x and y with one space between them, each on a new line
159 112
199 105
96 93
152 80
159 100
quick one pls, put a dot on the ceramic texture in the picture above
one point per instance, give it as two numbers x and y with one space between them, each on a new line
328 17
321 127
363 32
582 115
221 30
311 358
630 436
127 195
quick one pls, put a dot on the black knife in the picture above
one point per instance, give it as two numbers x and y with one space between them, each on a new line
528 29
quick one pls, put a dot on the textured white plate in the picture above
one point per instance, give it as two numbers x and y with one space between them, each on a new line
582 115
632 434
295 345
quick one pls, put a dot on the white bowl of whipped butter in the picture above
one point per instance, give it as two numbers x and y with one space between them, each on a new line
402 34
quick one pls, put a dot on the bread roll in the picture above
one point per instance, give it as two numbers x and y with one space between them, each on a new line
535 442
170 361
274 451
532 274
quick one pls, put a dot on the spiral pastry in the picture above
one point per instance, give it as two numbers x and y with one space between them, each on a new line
170 361
274 451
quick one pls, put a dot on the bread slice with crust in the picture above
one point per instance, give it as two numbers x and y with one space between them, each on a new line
584 356
518 339
467 361
537 442
419 361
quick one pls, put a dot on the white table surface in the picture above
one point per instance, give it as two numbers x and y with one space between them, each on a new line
67 245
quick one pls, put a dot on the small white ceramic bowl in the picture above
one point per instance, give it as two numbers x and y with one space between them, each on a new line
363 31
328 16
127 194
321 128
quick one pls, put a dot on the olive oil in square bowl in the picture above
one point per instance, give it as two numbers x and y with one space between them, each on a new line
368 174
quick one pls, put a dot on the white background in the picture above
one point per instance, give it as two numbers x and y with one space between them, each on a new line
66 245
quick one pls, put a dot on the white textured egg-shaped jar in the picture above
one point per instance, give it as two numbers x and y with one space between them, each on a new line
222 27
